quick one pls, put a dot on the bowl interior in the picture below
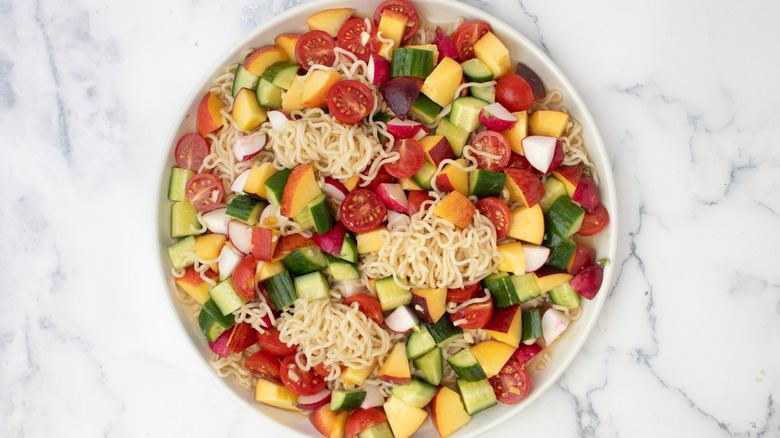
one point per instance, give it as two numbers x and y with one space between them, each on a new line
521 49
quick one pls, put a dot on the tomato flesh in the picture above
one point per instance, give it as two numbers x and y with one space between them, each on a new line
514 93
242 338
270 342
315 48
368 305
350 101
362 419
265 364
512 384
416 198
410 160
190 152
362 210
244 277
463 294
405 8
476 315
381 177
204 191
350 37
494 143
467 34
594 221
498 213
300 381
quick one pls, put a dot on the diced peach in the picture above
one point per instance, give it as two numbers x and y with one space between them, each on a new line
301 188
194 285
255 184
371 241
447 412
275 394
208 247
514 258
392 24
260 59
452 178
517 132
316 87
527 224
209 114
457 209
436 148
329 20
506 325
492 355
431 303
441 84
292 100
548 122
396 367
247 112
524 186
352 182
549 279
287 42
404 418
569 176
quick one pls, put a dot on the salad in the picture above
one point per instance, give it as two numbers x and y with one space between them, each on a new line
379 220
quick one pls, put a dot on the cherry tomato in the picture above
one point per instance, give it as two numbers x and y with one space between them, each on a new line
244 277
242 338
362 419
498 213
514 93
463 294
410 161
493 143
405 8
265 364
381 177
190 152
204 191
594 221
476 315
467 34
315 47
416 198
322 369
299 381
368 305
270 342
512 383
350 37
350 101
362 210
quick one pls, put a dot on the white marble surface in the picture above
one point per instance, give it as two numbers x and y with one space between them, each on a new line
684 93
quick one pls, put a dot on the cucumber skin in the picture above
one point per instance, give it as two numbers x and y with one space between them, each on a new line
274 185
471 370
419 343
501 289
532 325
563 216
417 63
432 366
346 400
485 183
281 290
443 331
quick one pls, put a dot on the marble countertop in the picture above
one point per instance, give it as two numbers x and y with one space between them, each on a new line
684 93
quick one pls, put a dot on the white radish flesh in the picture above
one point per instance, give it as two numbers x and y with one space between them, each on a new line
539 151
535 256
554 322
247 146
378 69
396 220
216 220
496 117
278 119
393 196
374 397
240 235
402 320
239 182
228 259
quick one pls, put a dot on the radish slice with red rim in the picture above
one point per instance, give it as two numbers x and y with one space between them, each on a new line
332 241
271 217
240 235
334 189
403 128
239 182
374 397
554 322
402 320
278 119
444 45
393 196
228 259
378 69
312 402
396 220
496 117
539 151
220 346
535 256
247 146
216 220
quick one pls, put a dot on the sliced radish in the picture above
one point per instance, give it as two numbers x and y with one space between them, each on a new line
378 69
444 45
421 133
247 146
240 235
352 287
216 220
278 119
393 196
588 281
496 117
396 220
312 402
402 320
334 189
554 322
539 151
228 259
270 217
239 182
526 352
332 241
220 346
403 128
535 256
374 397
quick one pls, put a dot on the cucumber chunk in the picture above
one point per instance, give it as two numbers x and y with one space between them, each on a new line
484 92
431 365
274 186
184 219
178 182
225 296
210 328
456 136
317 214
565 295
484 183
210 307
532 325
269 95
466 366
281 74
475 70
477 396
349 250
244 79
425 174
341 400
182 253
281 290
417 63
526 287
553 189
390 294
424 109
313 286
564 217
381 430
419 343
416 393
443 331
465 113
305 260
342 270
561 250
500 286
246 209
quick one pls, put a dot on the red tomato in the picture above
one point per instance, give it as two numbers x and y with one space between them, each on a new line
498 213
476 315
350 101
362 419
362 211
242 338
190 152
512 383
416 198
299 381
403 7
514 93
270 342
368 305
410 161
462 294
493 143
381 177
265 364
350 37
315 47
594 221
244 277
204 191
322 369
467 34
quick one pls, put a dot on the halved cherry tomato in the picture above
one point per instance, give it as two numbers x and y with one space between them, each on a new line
322 369
403 7
594 221
242 338
368 305
381 177
270 342
350 37
476 315
244 277
467 34
362 419
300 381
315 47
410 161
204 191
350 101
416 198
514 93
498 213
463 294
190 152
493 143
265 364
512 384
362 210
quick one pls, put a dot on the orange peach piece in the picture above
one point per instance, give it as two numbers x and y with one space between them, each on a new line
455 208
524 186
301 188
316 87
527 224
329 20
260 59
209 114
452 178
292 100
287 42
247 112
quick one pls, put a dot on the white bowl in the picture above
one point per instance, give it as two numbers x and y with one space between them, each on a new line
521 49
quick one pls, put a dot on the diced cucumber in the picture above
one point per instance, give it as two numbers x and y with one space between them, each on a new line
244 79
381 430
379 116
419 343
477 396
390 294
561 250
342 270
349 249
565 295
431 365
416 63
313 286
305 260
466 366
274 186
416 393
484 183
475 70
532 325
553 189
182 253
246 209
269 95
443 331
457 137
281 73
184 219
178 182
210 328
425 174
465 113
484 92
500 286
424 109
317 214
341 400
210 307
280 290
525 287
564 217
226 297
